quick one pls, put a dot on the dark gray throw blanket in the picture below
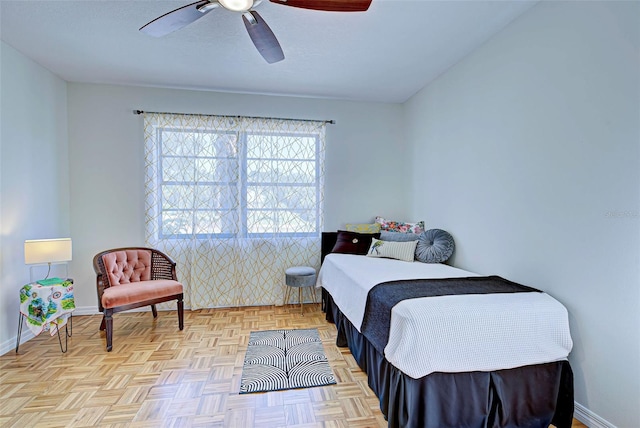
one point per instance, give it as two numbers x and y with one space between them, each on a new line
383 297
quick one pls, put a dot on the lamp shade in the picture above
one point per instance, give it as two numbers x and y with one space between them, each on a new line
38 251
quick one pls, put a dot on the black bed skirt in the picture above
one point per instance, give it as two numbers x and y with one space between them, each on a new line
529 396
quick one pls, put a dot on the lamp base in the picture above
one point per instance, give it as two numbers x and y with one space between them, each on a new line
66 272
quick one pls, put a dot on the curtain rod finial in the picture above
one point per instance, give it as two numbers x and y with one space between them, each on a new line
138 112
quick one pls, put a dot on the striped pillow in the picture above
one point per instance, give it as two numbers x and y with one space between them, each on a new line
404 251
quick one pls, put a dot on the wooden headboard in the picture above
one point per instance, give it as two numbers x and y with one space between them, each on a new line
328 241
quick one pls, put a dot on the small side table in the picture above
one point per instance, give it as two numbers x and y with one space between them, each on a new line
47 307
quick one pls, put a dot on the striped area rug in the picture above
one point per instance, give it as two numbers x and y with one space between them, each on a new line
284 359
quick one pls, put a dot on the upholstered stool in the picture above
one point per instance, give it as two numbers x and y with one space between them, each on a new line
300 277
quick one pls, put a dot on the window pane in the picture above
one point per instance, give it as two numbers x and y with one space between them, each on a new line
215 222
215 197
281 147
261 222
297 221
178 196
176 222
217 145
176 143
216 170
297 197
265 221
178 169
279 171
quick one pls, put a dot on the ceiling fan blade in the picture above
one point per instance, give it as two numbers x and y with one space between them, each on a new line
262 37
328 5
176 19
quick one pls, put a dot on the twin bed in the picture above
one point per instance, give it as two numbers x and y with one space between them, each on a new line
461 351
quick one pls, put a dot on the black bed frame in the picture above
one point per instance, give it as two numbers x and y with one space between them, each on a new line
530 396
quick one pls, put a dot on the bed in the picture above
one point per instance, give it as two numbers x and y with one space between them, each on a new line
470 360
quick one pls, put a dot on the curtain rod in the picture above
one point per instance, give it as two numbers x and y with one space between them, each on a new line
330 121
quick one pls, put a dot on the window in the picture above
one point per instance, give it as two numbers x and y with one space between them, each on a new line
238 181
235 201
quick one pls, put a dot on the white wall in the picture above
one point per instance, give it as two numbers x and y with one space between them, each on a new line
528 151
34 181
366 162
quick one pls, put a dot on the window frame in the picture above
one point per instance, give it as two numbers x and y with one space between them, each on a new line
241 186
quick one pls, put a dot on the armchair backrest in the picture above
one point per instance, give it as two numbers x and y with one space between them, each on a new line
126 266
130 264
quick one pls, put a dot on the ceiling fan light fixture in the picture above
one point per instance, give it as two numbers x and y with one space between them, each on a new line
261 35
237 5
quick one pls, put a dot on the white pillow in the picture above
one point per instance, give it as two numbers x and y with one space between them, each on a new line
404 251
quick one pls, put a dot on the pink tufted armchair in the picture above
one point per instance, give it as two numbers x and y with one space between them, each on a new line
129 278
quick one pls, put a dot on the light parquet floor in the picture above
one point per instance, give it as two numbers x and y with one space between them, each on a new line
158 376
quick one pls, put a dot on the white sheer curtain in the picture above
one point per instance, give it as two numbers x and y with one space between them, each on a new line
235 201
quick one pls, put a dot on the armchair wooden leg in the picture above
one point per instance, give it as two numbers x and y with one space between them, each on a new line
154 311
102 326
108 320
180 314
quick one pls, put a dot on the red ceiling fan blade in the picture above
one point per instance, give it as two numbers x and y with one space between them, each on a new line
328 5
262 37
176 19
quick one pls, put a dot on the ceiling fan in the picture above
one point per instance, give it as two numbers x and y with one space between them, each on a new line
260 33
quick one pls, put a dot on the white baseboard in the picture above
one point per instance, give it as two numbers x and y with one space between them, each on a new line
86 310
10 345
589 418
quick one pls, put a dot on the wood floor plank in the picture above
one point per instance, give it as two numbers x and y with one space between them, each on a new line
158 376
272 416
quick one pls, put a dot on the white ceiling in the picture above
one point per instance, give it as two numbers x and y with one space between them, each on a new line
386 54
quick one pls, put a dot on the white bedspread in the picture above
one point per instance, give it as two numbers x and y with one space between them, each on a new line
460 333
